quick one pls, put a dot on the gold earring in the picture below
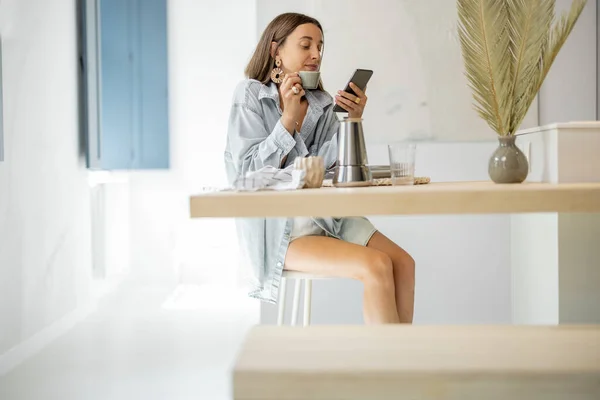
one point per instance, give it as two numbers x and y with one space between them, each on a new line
277 74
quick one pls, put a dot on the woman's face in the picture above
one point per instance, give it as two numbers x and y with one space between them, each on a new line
302 49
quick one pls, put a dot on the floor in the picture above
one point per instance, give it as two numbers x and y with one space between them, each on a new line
143 342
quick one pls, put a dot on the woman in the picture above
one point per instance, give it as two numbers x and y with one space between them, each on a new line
273 120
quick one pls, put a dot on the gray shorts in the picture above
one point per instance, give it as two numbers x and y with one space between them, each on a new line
357 230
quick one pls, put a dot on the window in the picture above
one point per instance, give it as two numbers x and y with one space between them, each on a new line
125 84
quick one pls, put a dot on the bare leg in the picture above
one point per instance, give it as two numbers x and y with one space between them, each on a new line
404 274
333 257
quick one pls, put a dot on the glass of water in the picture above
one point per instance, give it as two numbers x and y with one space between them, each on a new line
402 163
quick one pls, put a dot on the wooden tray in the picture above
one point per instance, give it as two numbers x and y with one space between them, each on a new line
419 180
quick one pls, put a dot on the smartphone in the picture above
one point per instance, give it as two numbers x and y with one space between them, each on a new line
360 78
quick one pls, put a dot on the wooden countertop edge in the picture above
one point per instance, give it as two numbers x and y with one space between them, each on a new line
433 198
420 349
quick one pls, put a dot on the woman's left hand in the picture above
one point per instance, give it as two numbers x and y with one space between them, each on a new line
355 105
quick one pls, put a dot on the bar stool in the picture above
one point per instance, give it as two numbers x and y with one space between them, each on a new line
298 277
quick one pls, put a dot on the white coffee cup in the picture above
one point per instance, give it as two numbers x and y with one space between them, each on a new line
310 79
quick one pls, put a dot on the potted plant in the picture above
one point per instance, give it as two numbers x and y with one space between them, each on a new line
508 47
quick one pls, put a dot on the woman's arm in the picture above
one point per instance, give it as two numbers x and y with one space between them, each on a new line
299 150
252 147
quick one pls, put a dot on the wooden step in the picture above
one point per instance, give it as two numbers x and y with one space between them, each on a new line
419 362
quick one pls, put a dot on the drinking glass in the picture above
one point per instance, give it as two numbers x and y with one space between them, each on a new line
402 163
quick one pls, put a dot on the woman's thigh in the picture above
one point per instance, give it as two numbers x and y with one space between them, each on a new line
321 255
357 230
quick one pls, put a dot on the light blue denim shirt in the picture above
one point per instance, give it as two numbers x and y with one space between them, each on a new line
257 138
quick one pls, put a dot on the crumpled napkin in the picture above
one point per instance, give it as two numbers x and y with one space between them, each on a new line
271 178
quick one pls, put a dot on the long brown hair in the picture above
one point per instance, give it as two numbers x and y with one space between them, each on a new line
278 30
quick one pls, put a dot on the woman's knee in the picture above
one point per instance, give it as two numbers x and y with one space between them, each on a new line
377 268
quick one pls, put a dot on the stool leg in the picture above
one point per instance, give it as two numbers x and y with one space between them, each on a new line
296 303
281 303
307 300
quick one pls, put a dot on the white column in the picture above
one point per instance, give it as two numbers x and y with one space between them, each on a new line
555 258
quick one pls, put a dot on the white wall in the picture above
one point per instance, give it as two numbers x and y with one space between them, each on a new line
45 263
47 224
579 261
208 49
111 236
534 253
569 91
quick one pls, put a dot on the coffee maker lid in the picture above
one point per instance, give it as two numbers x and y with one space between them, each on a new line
348 119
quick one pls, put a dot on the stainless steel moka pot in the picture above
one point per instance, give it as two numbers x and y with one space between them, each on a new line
352 164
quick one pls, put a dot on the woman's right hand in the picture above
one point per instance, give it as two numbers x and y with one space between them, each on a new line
292 110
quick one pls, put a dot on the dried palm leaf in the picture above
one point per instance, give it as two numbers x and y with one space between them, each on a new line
484 38
530 22
508 48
